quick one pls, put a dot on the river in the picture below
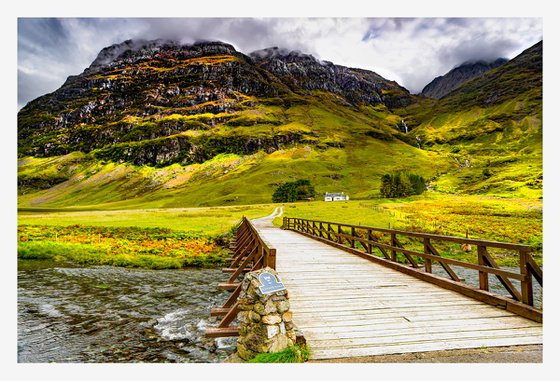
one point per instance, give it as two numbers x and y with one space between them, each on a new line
102 314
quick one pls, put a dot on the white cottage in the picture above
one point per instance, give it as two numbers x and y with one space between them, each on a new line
336 196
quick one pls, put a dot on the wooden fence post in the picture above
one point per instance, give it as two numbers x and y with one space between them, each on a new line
271 259
394 244
427 261
527 281
482 275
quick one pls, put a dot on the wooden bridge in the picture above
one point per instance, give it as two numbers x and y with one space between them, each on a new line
366 304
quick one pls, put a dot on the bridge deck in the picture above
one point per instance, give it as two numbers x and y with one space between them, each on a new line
347 306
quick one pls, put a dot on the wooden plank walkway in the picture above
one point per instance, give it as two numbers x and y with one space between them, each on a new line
347 306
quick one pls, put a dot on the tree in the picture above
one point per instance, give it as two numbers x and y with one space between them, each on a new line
401 184
294 191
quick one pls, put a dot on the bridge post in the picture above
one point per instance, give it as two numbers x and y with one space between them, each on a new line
482 275
427 261
393 244
527 281
265 320
340 234
270 259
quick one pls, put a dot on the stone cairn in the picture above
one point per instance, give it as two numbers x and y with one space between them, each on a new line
265 320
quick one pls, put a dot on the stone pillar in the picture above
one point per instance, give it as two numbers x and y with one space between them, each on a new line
265 320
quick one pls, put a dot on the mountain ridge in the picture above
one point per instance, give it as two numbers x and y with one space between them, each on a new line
192 125
144 78
440 86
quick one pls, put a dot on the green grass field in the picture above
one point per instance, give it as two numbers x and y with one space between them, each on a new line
210 222
508 219
490 218
146 238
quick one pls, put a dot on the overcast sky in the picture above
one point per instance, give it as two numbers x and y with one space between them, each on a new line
411 51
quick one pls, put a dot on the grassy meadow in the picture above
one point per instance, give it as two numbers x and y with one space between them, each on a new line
187 174
511 220
147 238
182 237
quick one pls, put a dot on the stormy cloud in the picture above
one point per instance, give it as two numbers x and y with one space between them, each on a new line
411 51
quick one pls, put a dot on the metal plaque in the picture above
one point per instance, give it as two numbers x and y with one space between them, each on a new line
270 283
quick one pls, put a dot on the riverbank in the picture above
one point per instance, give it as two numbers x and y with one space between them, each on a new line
149 248
145 238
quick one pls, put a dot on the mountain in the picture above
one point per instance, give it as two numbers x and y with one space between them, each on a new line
146 90
443 85
172 124
162 124
357 86
492 127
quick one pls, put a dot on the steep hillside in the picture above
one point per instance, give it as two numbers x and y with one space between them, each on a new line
182 101
443 85
160 124
492 127
179 125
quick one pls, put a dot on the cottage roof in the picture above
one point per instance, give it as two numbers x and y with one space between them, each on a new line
340 194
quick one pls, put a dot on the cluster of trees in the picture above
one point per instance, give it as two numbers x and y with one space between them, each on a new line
294 191
393 185
402 184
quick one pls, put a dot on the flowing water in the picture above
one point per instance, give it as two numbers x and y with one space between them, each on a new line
107 314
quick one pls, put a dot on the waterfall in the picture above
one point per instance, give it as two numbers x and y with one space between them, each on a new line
405 126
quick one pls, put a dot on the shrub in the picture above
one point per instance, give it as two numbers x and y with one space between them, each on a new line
293 354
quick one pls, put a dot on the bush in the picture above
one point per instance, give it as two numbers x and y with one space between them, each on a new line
294 191
293 354
402 184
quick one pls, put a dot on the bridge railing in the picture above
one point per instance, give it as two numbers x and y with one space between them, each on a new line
389 245
250 253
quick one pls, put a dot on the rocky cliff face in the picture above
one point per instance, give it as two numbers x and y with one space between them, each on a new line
443 85
357 86
158 102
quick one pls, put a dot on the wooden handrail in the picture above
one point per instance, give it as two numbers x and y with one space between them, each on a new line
251 253
470 241
348 236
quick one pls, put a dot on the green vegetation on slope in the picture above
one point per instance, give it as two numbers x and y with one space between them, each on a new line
339 155
191 143
491 127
